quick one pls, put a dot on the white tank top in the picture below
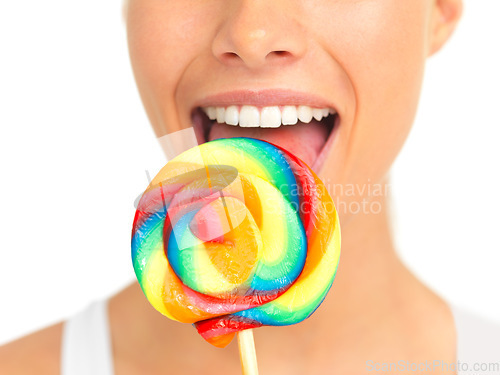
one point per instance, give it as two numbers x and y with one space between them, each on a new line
86 344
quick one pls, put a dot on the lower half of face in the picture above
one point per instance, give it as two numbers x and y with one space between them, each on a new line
336 82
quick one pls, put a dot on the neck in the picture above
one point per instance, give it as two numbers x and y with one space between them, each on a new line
371 279
368 261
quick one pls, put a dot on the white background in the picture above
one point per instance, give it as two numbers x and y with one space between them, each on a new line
75 144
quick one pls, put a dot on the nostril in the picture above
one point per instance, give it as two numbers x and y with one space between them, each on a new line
229 57
279 54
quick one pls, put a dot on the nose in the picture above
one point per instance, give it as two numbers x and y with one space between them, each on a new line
259 33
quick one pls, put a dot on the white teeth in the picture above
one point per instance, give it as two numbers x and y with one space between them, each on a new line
221 115
211 112
317 114
267 117
249 117
270 117
289 115
304 113
232 115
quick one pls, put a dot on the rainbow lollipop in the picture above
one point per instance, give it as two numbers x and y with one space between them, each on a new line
235 234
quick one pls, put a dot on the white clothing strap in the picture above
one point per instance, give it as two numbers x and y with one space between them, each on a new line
86 344
478 343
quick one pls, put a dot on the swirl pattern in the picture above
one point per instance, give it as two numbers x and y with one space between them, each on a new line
235 234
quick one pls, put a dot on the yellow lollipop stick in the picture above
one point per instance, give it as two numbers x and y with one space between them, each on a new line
248 357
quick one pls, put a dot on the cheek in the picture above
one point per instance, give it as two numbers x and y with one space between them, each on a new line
164 37
384 56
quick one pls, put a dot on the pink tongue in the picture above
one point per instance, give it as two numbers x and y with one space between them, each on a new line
303 140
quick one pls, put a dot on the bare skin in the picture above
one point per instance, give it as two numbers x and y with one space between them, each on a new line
377 310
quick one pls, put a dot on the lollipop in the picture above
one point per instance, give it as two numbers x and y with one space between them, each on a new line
235 234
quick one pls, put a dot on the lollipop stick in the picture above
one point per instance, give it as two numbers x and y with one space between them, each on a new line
247 352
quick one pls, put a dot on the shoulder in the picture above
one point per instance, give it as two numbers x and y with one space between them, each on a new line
37 353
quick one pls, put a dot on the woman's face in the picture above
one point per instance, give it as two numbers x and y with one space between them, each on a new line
361 59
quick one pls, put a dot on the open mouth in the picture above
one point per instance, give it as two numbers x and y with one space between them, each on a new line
305 131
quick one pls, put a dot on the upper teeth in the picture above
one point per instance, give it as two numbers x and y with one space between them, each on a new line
266 117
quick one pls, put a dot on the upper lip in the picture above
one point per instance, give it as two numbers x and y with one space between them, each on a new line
264 98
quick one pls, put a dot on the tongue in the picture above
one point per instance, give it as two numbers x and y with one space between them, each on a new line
303 140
